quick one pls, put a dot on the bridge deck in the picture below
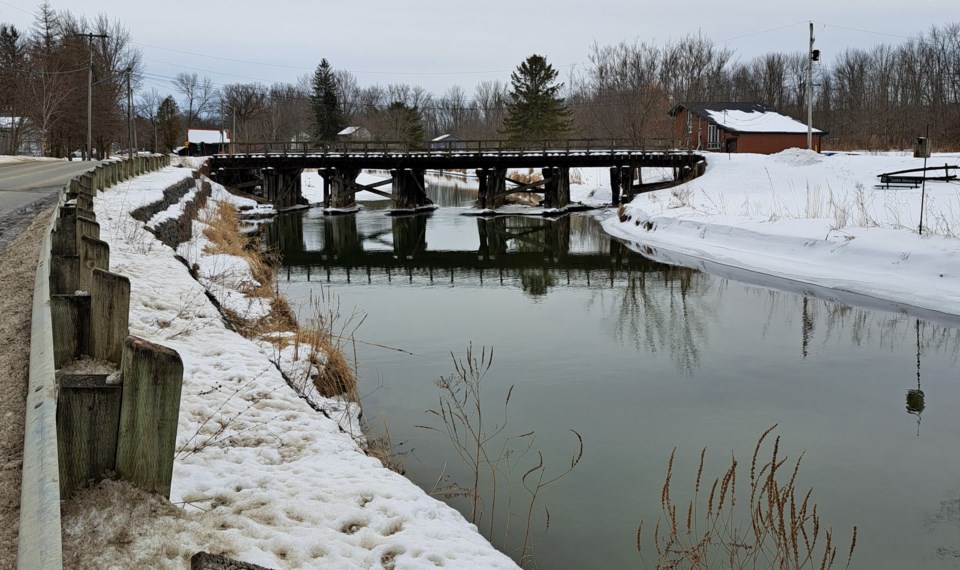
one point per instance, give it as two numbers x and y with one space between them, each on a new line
449 160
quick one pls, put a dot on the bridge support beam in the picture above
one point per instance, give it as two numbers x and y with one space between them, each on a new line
339 187
493 187
282 187
409 189
556 190
615 184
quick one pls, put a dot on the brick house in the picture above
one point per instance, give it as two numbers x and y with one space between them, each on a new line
739 127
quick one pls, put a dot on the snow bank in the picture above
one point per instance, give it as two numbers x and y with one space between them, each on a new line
814 219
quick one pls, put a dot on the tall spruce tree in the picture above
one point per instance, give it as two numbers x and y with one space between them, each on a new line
325 100
168 124
536 112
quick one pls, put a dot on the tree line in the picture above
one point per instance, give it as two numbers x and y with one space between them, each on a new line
878 98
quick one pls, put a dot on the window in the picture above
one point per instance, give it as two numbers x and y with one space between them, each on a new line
713 137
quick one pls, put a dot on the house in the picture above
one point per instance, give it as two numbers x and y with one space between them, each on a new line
448 142
739 127
204 142
354 134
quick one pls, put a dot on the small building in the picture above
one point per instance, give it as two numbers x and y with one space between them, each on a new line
204 142
739 127
354 134
448 142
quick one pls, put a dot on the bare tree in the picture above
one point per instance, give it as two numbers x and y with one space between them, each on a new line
199 96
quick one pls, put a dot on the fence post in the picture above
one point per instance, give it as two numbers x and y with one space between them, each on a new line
109 315
64 274
146 443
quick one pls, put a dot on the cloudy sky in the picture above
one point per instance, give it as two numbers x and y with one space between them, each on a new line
440 43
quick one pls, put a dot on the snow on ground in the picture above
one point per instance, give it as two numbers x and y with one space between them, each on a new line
259 474
810 218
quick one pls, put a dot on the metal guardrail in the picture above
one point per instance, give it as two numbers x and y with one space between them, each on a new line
39 540
567 146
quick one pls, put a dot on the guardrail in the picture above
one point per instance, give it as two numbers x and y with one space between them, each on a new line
451 147
79 426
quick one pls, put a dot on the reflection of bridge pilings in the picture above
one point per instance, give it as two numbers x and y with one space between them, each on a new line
341 240
524 234
409 236
285 233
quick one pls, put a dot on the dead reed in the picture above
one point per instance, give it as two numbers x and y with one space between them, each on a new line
782 528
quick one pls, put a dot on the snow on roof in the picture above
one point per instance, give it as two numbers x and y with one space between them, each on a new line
348 131
207 136
447 137
747 117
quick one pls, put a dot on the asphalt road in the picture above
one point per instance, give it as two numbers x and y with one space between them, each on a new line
25 182
28 187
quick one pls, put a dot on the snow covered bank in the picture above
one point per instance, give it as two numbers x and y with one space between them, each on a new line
810 218
259 475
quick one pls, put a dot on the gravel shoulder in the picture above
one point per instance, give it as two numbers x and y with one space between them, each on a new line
21 234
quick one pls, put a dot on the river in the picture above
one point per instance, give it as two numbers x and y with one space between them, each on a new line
639 358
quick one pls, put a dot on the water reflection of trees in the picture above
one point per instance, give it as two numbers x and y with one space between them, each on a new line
824 323
664 311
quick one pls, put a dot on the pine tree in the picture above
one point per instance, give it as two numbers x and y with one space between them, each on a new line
402 123
328 118
168 123
535 111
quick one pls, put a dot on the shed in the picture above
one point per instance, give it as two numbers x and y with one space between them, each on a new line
448 142
739 127
204 142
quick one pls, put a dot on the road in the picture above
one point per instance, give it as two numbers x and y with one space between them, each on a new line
25 182
27 187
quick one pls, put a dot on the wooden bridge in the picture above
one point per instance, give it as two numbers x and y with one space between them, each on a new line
277 167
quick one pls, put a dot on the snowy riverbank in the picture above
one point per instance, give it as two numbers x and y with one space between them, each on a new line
260 474
810 219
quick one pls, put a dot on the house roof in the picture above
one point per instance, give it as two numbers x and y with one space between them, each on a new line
207 136
447 138
744 117
348 131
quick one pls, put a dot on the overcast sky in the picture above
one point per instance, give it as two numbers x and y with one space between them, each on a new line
439 43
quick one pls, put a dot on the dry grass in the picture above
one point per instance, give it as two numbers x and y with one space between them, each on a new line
319 342
782 529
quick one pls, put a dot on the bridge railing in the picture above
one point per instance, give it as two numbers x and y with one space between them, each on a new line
565 146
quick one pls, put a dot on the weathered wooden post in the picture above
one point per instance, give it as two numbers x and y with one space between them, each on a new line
614 185
87 227
64 274
88 415
70 318
147 437
94 254
109 315
556 187
64 237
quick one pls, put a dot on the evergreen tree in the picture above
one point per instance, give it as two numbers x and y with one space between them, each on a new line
168 124
400 122
536 112
325 100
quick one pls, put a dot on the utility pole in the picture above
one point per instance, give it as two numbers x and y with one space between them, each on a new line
130 143
813 55
89 151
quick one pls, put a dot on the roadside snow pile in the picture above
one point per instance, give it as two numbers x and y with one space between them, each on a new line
259 475
811 218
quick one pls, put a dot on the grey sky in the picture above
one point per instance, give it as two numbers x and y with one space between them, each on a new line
439 43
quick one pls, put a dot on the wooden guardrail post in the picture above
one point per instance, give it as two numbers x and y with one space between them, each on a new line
64 274
70 317
88 417
64 236
109 315
146 442
94 254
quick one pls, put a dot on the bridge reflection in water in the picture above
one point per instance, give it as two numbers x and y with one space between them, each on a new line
531 252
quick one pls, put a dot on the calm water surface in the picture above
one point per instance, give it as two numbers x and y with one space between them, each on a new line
640 358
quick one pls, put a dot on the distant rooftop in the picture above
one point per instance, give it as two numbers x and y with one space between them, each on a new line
207 136
740 117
